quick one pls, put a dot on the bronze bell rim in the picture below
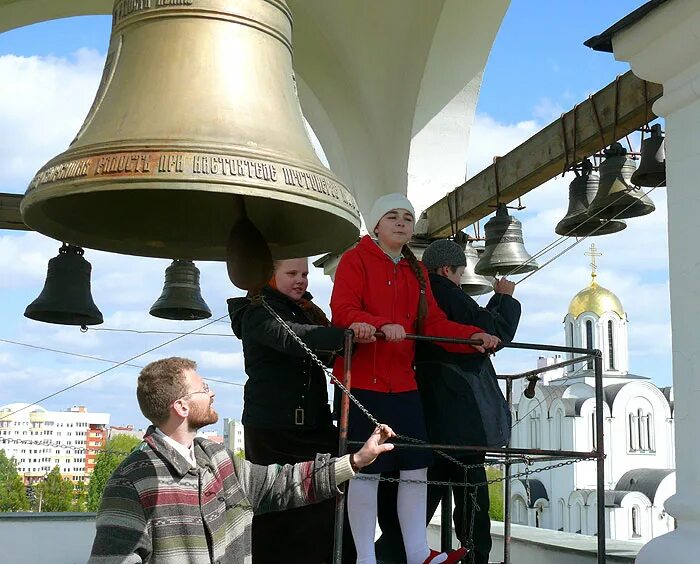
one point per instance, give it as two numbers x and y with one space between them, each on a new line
508 269
625 207
582 225
331 199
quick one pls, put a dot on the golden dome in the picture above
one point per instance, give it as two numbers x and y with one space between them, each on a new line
595 299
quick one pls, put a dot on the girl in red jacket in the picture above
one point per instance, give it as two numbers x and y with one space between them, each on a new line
379 285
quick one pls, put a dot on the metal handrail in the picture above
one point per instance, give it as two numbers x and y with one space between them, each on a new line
543 454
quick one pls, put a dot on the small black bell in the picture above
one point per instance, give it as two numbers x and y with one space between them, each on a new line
66 298
652 166
181 298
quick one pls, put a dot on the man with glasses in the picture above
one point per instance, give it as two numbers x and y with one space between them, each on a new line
179 498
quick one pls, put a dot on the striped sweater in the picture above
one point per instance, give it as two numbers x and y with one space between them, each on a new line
157 508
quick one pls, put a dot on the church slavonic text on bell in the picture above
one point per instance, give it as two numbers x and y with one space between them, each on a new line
136 162
73 169
229 166
125 8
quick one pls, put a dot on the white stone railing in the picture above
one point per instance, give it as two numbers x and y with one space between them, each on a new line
66 538
530 545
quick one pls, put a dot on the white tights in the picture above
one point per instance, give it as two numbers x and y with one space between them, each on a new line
410 506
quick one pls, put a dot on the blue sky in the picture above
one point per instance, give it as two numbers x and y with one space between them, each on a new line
537 69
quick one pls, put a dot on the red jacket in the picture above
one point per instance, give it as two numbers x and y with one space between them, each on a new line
370 288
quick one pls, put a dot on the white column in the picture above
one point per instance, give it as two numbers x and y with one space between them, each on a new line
664 47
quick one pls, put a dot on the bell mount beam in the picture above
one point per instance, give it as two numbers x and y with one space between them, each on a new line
624 106
10 217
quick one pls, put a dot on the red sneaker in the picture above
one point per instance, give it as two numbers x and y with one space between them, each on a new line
452 556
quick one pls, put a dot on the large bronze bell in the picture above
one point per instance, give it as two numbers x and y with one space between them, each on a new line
181 298
195 126
652 165
617 197
577 222
66 298
504 252
472 283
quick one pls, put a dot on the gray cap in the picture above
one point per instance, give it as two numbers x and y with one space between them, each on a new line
443 252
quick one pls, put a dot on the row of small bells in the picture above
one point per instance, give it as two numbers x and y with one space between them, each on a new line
599 204
66 298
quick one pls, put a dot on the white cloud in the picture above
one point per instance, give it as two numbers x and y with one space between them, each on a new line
44 100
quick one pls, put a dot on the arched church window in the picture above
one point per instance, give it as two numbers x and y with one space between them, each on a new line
611 347
641 431
651 442
558 430
633 432
589 342
534 430
636 525
592 426
570 331
562 511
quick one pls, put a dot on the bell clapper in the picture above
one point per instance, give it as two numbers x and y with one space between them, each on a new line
248 256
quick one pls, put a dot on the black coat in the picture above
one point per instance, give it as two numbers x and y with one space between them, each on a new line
462 401
285 389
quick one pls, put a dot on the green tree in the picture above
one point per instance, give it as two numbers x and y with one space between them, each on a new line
114 452
79 498
13 496
54 493
495 493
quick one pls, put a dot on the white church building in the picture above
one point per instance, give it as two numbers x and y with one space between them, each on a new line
639 429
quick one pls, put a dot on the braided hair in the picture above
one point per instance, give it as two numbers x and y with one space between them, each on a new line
423 285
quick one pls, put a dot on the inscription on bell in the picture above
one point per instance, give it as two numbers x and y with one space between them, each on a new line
171 163
229 166
114 164
124 8
72 169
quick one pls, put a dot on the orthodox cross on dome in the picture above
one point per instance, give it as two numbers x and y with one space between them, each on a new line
593 253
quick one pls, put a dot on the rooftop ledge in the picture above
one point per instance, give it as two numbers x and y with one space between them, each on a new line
67 538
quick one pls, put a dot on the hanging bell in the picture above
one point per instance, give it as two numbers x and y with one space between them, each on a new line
181 298
504 252
66 298
577 222
195 127
472 283
652 166
617 197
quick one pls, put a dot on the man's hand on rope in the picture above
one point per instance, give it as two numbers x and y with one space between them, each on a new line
364 332
375 445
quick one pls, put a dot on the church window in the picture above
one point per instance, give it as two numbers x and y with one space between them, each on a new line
558 430
589 342
534 431
593 441
650 432
633 432
636 525
611 347
641 420
571 340
562 510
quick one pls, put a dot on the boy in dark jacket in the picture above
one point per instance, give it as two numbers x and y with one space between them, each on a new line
462 402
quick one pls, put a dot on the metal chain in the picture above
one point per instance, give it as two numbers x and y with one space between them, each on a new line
260 299
380 478
472 520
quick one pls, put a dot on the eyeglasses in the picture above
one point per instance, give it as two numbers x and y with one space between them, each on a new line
205 390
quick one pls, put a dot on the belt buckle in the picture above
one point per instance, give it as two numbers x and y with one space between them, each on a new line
299 416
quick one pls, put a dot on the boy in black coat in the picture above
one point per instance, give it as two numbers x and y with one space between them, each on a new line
461 399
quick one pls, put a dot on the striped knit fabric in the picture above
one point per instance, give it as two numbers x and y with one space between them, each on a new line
156 508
